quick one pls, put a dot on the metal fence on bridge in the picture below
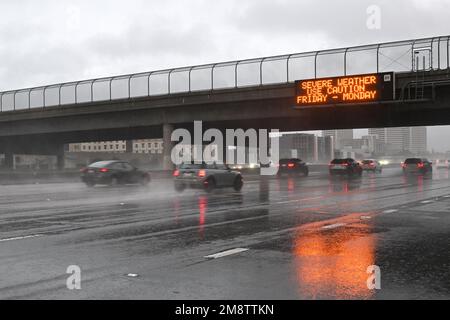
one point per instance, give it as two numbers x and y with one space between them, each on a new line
400 56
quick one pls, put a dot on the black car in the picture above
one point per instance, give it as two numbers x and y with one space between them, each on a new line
346 166
417 165
292 166
112 173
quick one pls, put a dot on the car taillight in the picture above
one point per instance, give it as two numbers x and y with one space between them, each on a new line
420 165
202 173
291 165
176 173
103 170
404 165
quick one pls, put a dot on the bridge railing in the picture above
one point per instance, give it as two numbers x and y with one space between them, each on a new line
401 56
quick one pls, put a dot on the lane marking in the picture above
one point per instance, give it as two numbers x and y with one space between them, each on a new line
334 226
21 238
226 253
390 211
427 201
366 217
132 275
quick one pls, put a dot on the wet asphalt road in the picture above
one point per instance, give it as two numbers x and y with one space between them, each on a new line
307 238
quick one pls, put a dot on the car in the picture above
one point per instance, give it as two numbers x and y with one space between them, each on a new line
442 164
417 165
292 166
371 165
346 166
113 172
206 176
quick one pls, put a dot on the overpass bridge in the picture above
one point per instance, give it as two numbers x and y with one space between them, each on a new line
253 93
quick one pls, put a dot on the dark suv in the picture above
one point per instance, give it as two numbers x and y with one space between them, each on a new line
206 176
345 166
112 173
417 165
292 166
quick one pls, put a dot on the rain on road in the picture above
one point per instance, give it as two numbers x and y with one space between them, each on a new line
289 238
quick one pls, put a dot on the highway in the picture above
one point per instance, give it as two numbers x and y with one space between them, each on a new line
288 238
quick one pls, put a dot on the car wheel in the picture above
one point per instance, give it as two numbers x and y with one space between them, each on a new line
90 184
306 173
179 187
210 185
145 180
114 182
238 183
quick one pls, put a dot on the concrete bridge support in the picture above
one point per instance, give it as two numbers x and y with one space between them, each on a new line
167 145
9 160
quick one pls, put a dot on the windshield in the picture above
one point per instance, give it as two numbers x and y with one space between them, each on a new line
339 161
193 166
100 164
413 161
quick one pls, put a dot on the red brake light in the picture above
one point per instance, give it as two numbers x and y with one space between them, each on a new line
291 165
202 173
420 165
104 170
176 173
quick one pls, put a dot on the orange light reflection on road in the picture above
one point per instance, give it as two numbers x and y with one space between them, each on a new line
202 207
333 263
291 185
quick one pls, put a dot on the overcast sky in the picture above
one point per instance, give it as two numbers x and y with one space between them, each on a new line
47 41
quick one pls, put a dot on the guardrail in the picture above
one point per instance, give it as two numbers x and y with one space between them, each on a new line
400 56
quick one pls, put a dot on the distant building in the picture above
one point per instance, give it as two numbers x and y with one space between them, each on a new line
150 146
308 147
417 142
402 139
104 146
339 136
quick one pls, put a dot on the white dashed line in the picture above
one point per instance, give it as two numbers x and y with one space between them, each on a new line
366 217
334 226
390 211
427 201
132 275
226 253
20 238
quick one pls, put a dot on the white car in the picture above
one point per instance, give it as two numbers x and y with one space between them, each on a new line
371 165
442 164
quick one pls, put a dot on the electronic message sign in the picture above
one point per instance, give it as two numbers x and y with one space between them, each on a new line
344 90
